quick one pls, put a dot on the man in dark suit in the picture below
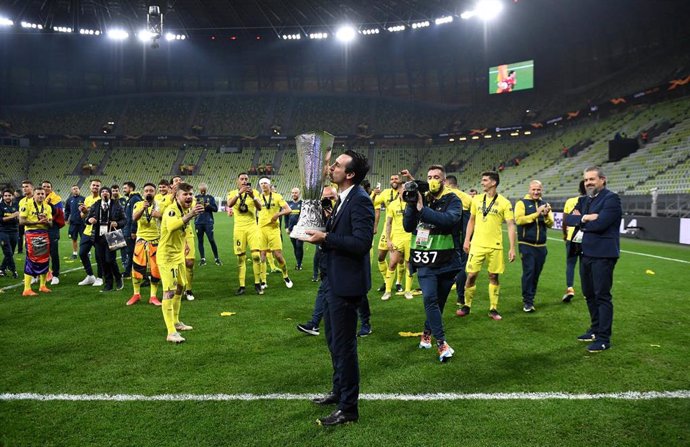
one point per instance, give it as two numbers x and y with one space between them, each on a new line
597 217
346 279
106 215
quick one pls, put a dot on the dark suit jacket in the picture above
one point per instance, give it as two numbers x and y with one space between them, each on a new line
601 237
116 214
347 245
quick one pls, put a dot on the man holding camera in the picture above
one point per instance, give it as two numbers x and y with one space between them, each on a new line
434 219
533 217
486 236
244 202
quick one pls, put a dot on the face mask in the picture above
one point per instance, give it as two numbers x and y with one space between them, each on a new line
149 198
434 186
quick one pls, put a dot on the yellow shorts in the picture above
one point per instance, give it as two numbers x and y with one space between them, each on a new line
173 276
478 256
401 242
270 239
383 243
245 237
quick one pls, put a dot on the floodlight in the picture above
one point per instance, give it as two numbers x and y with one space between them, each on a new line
145 36
346 34
467 15
169 37
396 29
444 19
6 22
118 34
488 9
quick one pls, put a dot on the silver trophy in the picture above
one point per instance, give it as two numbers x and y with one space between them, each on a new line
314 157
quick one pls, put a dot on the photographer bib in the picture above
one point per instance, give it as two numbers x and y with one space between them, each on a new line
429 249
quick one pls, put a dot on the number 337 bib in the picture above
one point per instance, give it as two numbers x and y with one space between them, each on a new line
431 250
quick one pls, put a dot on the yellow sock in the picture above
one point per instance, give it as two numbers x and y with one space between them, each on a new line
401 273
469 295
408 283
190 277
169 315
242 269
27 282
263 271
154 288
383 268
493 296
136 283
271 262
256 263
283 268
177 302
42 279
390 275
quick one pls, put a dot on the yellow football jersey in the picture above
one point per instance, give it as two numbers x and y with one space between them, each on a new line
270 204
488 229
30 210
88 202
567 209
465 198
173 234
247 218
385 197
148 227
395 211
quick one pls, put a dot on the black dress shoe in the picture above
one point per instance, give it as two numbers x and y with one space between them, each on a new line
328 399
338 417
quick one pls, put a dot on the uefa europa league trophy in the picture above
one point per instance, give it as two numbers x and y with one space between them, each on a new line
314 156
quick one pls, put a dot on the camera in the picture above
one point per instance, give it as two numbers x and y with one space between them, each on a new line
327 205
411 188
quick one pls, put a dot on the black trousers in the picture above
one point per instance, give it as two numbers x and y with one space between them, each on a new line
107 259
84 247
298 248
596 276
9 243
206 229
533 259
340 318
54 237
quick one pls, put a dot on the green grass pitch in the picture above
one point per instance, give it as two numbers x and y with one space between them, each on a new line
79 341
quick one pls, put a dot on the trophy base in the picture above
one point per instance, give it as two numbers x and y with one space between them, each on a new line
301 232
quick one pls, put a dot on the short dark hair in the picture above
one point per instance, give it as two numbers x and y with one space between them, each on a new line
149 184
241 174
186 187
472 190
7 190
164 182
453 179
359 165
437 167
46 181
95 180
581 188
131 185
27 182
366 184
493 175
115 186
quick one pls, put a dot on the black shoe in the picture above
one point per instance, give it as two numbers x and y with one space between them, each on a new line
126 276
203 261
382 288
398 287
308 328
328 399
218 261
146 282
107 289
2 273
338 417
15 275
315 279
119 284
259 289
74 257
364 330
240 291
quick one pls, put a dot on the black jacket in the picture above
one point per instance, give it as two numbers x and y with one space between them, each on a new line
115 214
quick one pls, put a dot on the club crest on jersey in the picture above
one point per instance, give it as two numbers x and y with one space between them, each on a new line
171 213
23 209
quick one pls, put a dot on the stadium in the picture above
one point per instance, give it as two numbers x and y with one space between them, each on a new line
132 92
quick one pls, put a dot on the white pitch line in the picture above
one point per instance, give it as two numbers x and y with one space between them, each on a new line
682 261
627 395
14 286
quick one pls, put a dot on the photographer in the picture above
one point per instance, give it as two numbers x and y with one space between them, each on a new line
434 219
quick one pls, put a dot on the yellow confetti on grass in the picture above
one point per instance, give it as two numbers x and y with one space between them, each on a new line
410 334
650 272
227 314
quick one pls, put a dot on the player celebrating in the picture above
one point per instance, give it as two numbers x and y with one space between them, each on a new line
36 217
148 234
273 206
398 241
383 199
487 241
244 201
171 257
